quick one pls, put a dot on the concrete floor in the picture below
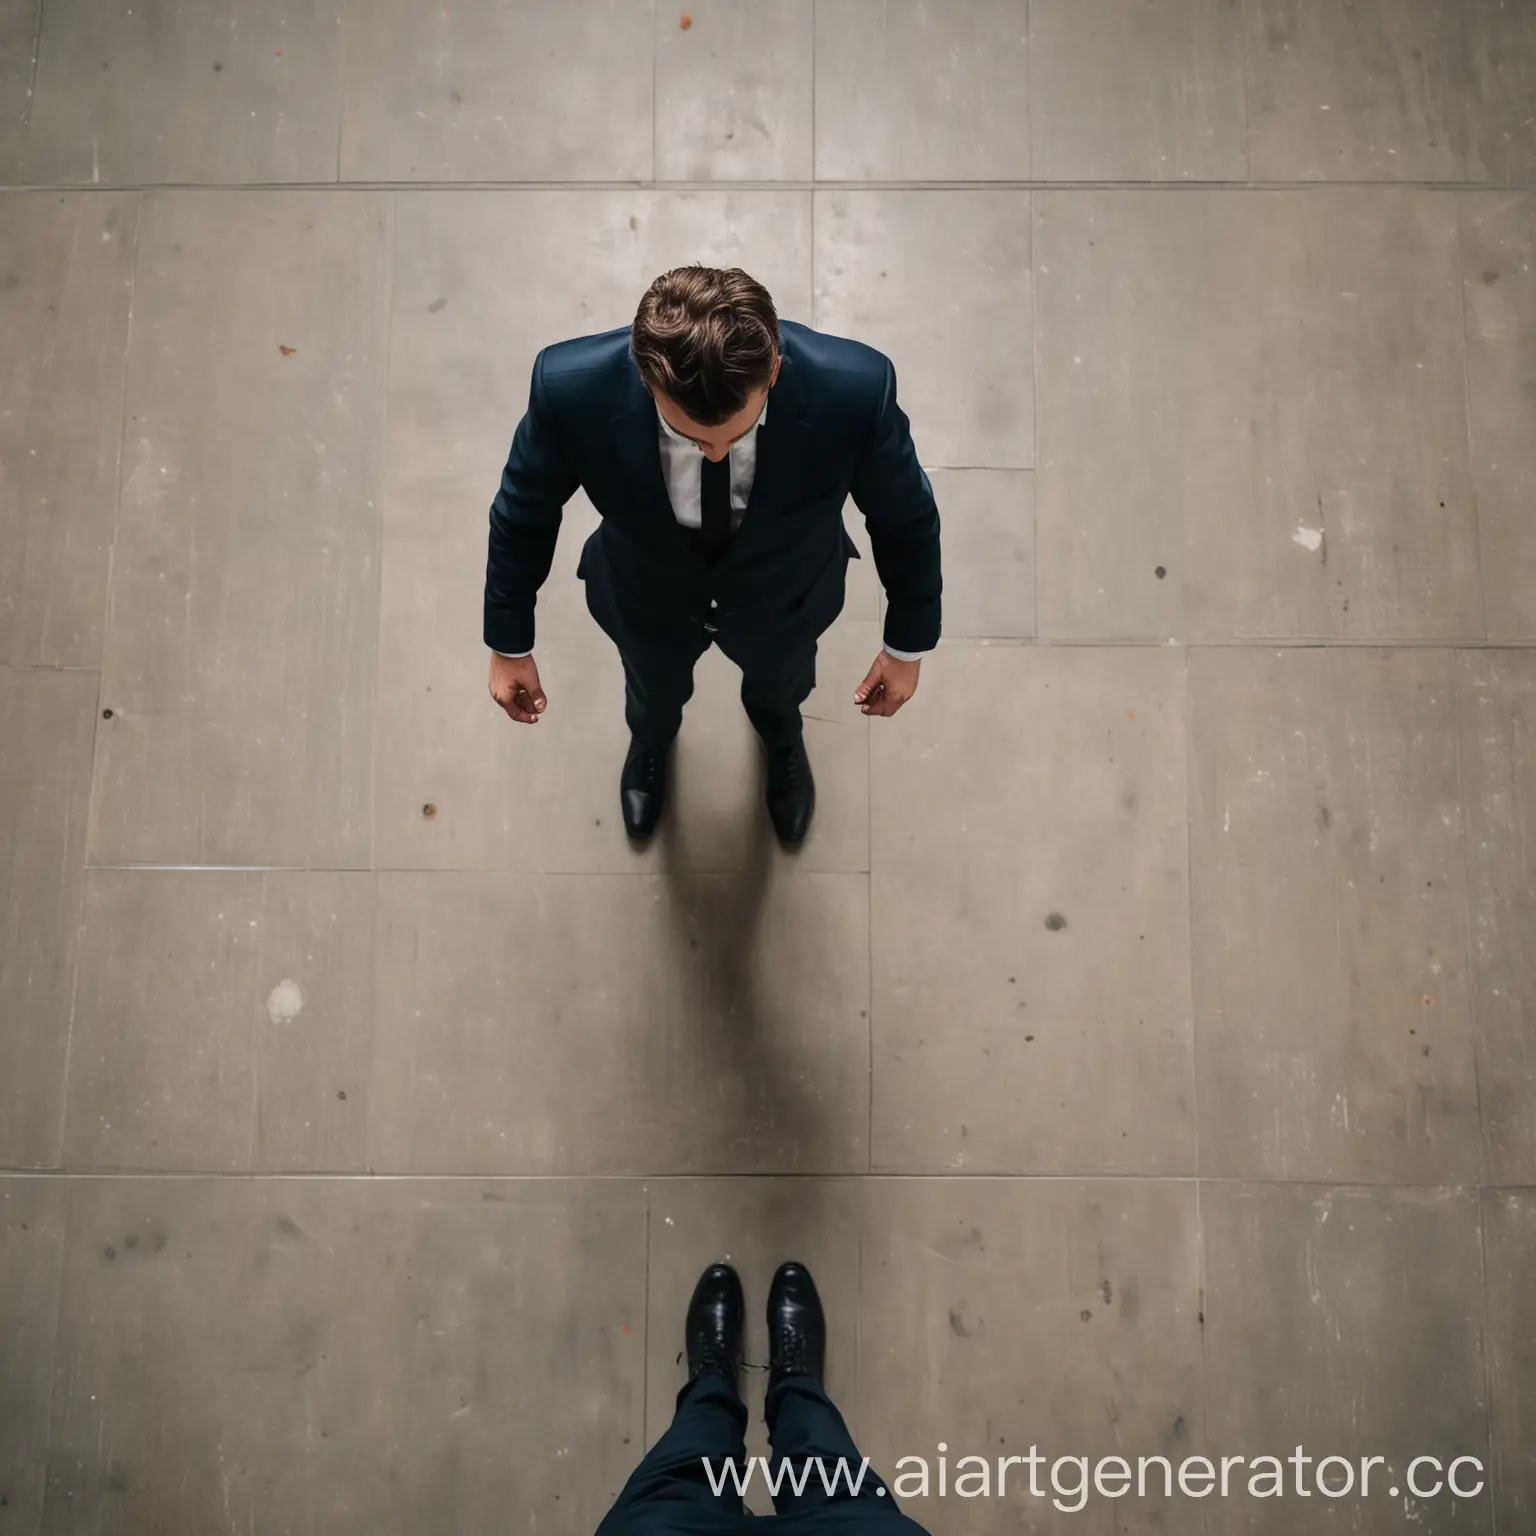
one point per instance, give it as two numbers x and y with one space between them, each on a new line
1141 1051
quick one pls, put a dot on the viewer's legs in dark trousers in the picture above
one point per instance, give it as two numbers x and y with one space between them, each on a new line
772 697
669 1493
804 1427
658 681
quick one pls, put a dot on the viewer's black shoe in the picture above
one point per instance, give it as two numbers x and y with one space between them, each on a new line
791 792
642 790
797 1327
716 1318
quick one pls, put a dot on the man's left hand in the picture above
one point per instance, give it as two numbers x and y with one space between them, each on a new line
888 686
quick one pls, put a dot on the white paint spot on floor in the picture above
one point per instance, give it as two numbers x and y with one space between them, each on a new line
1309 538
285 1002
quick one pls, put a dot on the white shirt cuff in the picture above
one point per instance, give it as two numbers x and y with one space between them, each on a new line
514 655
896 655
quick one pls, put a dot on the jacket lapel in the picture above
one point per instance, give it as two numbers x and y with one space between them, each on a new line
781 444
637 436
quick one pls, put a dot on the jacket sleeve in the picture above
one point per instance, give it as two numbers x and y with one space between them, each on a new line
525 521
893 493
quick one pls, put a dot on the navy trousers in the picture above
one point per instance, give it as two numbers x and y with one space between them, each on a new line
670 1493
658 682
659 652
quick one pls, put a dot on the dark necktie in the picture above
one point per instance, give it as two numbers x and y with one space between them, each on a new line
715 503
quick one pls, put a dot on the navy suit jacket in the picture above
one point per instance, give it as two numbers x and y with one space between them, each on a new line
833 430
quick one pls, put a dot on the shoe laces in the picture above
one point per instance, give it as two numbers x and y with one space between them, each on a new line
791 1354
646 770
714 1360
788 774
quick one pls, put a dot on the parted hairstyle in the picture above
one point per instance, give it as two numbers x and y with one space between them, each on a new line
706 339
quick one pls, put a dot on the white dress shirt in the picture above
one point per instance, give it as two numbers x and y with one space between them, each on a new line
682 467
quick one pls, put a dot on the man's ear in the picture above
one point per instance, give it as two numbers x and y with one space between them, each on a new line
773 378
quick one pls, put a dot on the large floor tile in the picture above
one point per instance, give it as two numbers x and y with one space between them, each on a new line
1509 1240
47 726
241 647
485 91
222 1021
1501 55
312 1356
1030 917
1310 1294
1253 416
159 91
1370 91
464 340
754 1225
1497 696
32 1216
1333 1009
18 36
1498 235
1124 90
988 533
66 288
940 281
919 90
1003 1314
733 91
621 1024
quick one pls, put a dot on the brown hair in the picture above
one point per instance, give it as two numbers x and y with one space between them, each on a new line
705 339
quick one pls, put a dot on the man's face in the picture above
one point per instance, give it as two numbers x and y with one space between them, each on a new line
715 442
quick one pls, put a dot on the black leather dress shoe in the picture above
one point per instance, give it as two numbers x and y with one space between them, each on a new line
716 1317
797 1327
642 790
791 792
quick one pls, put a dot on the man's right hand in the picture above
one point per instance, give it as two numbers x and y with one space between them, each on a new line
515 686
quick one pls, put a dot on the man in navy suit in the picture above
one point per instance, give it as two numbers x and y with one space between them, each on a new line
718 445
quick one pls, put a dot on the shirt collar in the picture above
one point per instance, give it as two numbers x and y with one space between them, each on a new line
677 437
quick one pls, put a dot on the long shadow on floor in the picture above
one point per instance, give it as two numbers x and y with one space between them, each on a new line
745 1053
